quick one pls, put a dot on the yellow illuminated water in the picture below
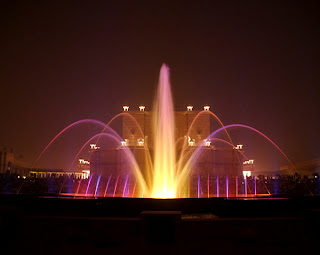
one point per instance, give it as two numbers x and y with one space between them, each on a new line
167 175
164 172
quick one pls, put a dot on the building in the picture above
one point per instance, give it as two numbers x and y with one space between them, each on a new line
137 133
12 162
55 173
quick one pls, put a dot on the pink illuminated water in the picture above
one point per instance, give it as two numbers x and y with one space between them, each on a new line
199 186
84 121
115 186
217 180
106 190
88 185
227 186
208 184
97 185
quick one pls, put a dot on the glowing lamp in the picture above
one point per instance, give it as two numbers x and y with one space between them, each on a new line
140 142
141 108
83 162
94 147
123 143
206 108
189 108
207 143
191 143
238 147
125 108
249 162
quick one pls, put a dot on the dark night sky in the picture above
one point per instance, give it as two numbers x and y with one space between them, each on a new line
253 62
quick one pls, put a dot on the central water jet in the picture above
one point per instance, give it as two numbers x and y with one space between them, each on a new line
164 179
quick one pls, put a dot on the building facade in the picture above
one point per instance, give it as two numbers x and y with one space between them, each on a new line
12 163
138 136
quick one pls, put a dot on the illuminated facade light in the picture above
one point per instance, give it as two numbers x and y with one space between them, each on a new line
249 162
85 174
190 141
238 147
207 143
124 143
206 108
125 108
83 162
189 108
142 108
140 142
94 147
246 174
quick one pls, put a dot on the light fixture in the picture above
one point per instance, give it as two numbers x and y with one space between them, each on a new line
141 108
189 108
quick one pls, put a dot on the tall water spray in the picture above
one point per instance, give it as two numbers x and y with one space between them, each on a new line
164 183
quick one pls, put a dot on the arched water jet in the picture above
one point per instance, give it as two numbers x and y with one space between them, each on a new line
257 131
186 170
147 152
67 128
89 140
178 140
187 165
190 128
226 142
128 153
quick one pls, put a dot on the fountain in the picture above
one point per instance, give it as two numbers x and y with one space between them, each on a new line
167 173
